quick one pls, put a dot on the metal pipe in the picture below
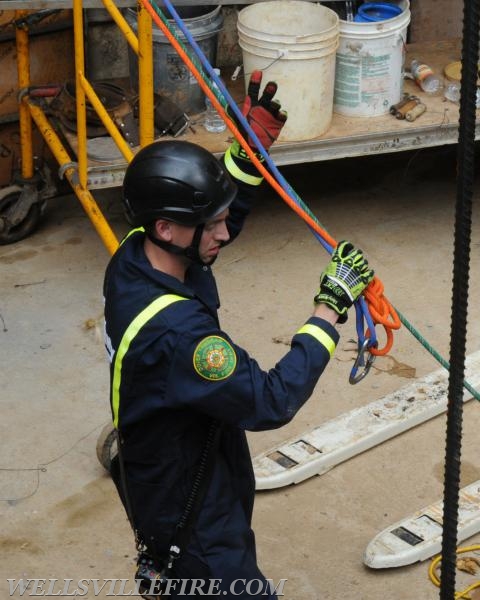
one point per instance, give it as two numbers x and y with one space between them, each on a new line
23 74
125 28
63 158
145 76
106 119
79 93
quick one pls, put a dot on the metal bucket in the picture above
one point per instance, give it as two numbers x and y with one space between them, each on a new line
171 76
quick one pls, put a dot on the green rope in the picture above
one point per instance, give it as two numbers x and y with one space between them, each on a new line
302 204
434 353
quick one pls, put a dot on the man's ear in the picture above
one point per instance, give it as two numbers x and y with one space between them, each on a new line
163 230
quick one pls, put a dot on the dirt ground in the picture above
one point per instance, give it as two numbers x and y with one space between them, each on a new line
61 517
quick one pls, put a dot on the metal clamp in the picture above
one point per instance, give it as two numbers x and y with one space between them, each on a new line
65 167
360 362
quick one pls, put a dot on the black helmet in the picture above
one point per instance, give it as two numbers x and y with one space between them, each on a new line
178 181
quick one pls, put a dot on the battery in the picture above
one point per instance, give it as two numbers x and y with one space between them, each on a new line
415 112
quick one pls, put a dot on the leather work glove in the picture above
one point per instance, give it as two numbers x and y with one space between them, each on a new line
344 279
265 117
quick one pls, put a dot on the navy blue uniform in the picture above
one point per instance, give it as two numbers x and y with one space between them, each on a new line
172 371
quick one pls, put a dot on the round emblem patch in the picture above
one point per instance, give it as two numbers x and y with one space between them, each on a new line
214 358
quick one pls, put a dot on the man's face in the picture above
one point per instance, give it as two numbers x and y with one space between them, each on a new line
215 233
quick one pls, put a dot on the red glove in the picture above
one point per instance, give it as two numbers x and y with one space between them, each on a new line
264 115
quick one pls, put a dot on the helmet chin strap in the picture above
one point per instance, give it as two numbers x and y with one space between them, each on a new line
191 252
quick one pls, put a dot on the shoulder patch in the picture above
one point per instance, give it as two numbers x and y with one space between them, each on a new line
214 358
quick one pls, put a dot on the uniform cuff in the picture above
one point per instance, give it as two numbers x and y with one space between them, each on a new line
242 169
322 331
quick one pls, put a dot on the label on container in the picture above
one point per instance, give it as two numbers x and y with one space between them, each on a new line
361 79
421 72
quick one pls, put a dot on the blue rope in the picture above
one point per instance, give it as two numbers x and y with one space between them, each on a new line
362 312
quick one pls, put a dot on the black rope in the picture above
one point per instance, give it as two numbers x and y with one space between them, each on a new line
461 260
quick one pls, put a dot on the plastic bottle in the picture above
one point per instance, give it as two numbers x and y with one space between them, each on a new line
452 93
425 78
213 121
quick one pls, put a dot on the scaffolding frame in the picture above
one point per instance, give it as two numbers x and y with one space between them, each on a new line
29 111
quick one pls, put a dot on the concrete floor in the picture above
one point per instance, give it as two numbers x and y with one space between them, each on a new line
61 516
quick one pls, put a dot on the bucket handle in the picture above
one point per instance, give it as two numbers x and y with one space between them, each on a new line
281 54
236 72
401 40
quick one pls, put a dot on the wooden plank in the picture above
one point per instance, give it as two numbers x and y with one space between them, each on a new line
39 4
347 136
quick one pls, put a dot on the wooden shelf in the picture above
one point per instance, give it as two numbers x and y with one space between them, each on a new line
347 136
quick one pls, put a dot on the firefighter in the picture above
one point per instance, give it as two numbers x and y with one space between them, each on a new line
175 371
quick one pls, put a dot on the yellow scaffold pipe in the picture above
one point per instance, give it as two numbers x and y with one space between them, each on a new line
63 158
124 27
106 119
80 94
145 77
23 70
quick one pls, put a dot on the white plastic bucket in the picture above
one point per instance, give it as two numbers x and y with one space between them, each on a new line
369 65
293 43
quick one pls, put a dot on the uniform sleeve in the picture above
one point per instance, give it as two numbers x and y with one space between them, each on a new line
248 186
211 374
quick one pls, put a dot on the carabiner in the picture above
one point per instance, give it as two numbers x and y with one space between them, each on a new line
360 362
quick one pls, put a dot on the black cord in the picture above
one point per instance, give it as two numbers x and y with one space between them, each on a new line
461 264
199 487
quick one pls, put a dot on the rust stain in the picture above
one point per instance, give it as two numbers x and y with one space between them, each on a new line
398 368
9 259
91 503
11 545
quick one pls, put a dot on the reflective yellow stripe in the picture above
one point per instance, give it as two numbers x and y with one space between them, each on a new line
234 169
140 320
319 335
131 232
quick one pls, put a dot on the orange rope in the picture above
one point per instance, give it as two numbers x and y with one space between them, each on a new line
381 310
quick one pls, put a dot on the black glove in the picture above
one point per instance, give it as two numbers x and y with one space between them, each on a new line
344 279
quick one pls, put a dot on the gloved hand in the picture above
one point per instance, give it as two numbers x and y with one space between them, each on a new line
344 279
265 117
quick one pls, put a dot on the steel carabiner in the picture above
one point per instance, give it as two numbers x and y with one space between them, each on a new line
360 362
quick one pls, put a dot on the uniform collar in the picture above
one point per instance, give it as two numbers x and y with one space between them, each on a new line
135 252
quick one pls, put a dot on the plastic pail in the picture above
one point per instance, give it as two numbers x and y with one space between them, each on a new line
171 76
293 43
369 65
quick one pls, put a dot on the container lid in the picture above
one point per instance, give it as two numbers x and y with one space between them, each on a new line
377 11
453 71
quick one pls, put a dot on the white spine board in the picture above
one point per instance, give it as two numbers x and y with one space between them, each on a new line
419 536
321 448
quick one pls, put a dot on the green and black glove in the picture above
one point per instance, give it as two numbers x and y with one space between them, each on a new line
344 279
265 117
